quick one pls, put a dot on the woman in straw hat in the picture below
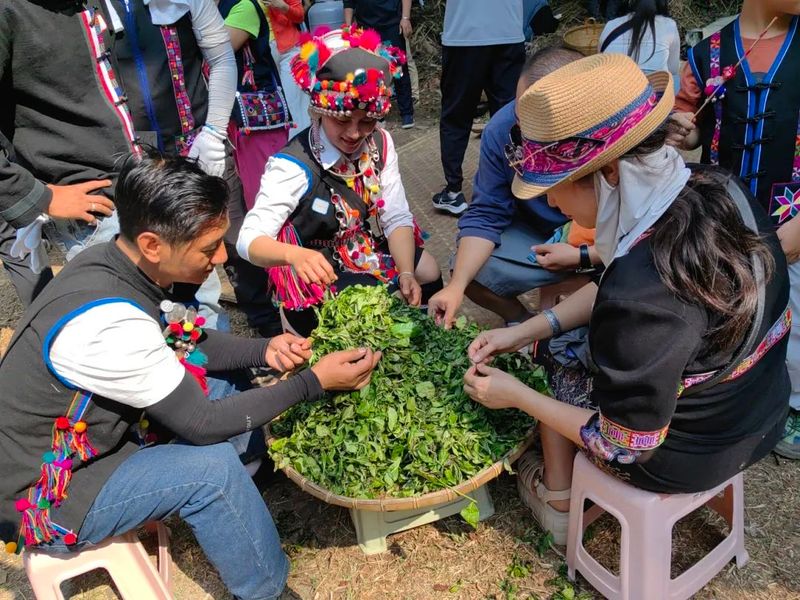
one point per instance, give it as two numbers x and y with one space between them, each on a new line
687 327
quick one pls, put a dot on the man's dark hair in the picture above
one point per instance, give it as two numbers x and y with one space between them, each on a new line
170 196
545 61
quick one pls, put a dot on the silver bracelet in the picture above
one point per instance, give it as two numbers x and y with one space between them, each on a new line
399 275
555 324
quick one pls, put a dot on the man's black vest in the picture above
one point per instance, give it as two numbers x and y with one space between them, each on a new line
34 397
758 134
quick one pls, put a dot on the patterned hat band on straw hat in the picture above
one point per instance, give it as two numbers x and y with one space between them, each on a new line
546 163
347 69
581 117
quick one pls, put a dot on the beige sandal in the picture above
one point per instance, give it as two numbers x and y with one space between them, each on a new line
534 494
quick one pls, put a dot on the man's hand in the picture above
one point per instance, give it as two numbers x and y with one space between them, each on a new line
405 27
287 352
683 132
789 235
491 387
410 289
77 202
346 370
557 257
444 304
311 266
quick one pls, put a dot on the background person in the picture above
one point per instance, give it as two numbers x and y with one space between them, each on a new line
752 130
483 50
648 35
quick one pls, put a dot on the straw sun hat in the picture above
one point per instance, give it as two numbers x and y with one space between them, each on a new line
582 116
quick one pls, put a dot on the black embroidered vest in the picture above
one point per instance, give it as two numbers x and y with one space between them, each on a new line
40 409
753 130
314 219
142 60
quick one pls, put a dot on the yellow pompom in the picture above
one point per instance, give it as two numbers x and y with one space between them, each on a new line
11 547
187 327
350 183
349 77
374 189
144 424
307 49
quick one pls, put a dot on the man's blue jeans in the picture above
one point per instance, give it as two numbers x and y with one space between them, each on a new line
208 487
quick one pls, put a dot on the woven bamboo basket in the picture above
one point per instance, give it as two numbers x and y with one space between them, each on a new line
584 38
413 503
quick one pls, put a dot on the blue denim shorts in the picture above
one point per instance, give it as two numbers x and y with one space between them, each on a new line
72 237
508 272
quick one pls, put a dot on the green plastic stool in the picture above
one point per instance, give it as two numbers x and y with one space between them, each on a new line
372 527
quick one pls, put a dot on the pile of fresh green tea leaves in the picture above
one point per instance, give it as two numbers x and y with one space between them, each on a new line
413 430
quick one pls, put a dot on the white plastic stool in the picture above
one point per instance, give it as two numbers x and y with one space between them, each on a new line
647 520
123 557
372 527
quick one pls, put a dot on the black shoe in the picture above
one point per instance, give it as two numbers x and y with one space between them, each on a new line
455 206
481 109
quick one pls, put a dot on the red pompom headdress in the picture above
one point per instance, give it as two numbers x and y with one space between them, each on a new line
347 69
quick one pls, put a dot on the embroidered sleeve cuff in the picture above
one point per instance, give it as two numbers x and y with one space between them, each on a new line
601 448
631 439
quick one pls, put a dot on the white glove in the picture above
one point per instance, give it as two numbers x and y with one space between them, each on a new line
29 241
209 150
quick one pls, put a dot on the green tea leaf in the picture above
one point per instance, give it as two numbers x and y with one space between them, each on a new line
471 514
412 430
425 390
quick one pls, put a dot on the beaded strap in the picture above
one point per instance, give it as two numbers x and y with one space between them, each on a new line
94 26
716 71
172 44
775 334
796 162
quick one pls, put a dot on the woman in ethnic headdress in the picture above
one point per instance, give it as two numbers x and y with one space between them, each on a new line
331 211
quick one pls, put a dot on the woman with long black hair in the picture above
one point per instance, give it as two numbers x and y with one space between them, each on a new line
648 35
684 382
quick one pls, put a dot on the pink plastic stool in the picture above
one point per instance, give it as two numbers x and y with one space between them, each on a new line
123 557
647 520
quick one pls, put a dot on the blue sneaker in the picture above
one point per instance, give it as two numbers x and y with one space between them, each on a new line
408 121
789 446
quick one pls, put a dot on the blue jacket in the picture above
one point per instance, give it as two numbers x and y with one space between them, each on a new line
493 206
